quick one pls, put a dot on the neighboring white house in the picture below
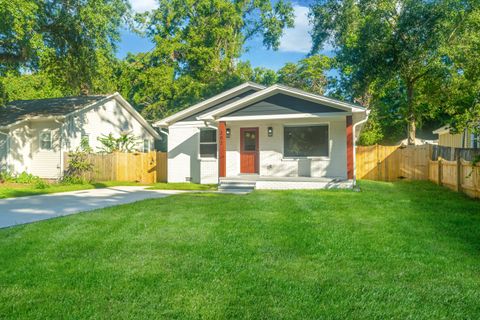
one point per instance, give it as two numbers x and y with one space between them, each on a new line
265 134
34 134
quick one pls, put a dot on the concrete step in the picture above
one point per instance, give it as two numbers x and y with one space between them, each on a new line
245 186
235 191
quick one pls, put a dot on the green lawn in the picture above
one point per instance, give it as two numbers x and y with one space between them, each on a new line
394 250
11 190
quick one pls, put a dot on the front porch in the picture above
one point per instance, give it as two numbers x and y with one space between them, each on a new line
282 183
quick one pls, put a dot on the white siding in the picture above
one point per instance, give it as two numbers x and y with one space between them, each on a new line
272 162
19 158
104 119
24 153
3 151
45 163
184 163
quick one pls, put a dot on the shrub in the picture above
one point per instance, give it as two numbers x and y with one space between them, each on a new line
78 166
24 177
6 176
41 184
126 142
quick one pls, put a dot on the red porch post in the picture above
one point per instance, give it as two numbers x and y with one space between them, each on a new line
222 149
349 148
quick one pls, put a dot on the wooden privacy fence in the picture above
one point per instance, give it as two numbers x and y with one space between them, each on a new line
390 163
459 175
149 167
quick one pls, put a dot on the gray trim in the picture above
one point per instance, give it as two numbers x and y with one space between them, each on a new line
282 104
194 116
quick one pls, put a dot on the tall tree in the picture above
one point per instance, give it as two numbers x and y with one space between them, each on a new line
458 91
72 40
380 42
308 74
197 46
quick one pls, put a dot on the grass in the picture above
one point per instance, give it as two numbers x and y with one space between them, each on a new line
184 186
407 250
12 190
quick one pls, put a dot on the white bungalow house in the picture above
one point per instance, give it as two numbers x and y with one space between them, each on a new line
273 137
35 134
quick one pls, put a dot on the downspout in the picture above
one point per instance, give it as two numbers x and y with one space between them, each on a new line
7 142
355 148
61 147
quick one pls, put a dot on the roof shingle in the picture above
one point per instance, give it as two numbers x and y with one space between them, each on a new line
23 109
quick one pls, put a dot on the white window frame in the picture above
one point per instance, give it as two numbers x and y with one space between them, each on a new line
474 140
200 143
327 157
40 140
148 149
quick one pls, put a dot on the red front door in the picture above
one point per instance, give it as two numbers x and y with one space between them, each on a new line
249 150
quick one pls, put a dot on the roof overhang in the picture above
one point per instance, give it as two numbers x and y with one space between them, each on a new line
442 130
208 103
124 103
276 89
136 115
322 115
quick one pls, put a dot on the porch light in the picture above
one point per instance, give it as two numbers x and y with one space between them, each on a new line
228 132
270 131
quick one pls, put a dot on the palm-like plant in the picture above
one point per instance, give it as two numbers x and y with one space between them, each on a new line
126 142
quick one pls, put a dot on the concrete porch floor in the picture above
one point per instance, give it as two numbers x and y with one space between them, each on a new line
285 183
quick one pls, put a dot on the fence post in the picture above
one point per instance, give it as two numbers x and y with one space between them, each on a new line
459 173
379 175
439 171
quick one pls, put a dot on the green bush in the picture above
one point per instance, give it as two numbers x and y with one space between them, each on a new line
78 166
6 176
41 184
23 177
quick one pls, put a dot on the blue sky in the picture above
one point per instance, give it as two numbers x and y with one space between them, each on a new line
294 44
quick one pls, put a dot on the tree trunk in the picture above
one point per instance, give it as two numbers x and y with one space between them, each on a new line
412 125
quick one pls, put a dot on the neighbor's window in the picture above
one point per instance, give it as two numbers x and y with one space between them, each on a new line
306 141
46 140
146 145
475 140
208 143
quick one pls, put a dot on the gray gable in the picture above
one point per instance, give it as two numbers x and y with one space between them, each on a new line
279 104
193 117
23 109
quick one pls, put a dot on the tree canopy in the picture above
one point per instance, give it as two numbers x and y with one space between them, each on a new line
391 53
72 41
408 61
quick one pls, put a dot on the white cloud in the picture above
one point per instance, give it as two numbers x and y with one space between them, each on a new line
141 6
297 39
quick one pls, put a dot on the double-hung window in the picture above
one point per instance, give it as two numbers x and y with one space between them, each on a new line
305 141
475 140
146 145
208 143
45 138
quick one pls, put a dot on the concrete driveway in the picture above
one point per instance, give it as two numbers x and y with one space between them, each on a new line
21 210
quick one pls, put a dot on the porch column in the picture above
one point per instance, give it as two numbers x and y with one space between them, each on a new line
349 148
222 149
